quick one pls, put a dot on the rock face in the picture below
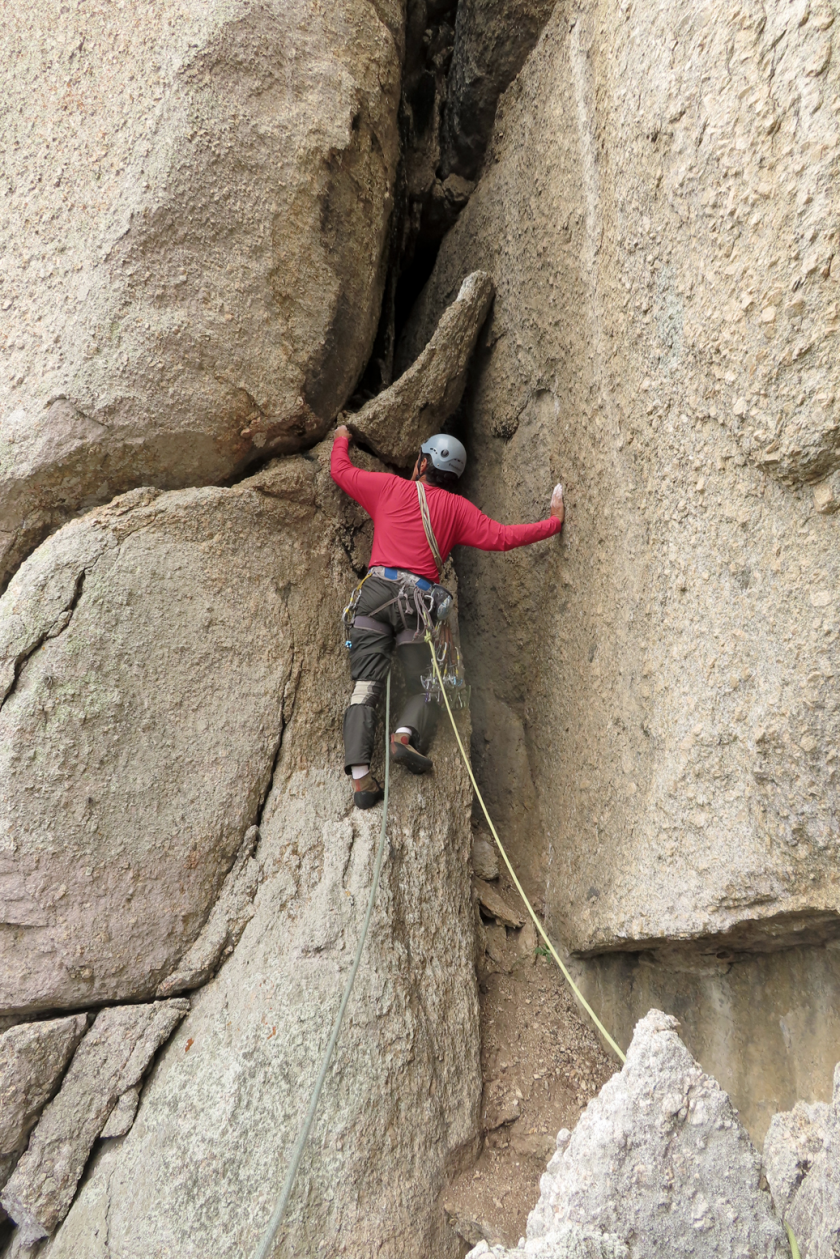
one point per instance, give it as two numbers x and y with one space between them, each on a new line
395 422
658 1164
222 1109
196 208
802 1165
33 1057
220 933
492 41
147 648
566 1241
111 1060
662 341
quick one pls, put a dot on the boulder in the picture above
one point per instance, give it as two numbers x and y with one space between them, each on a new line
197 201
147 648
802 1165
112 1058
397 421
222 1109
33 1057
492 41
484 858
659 1164
662 342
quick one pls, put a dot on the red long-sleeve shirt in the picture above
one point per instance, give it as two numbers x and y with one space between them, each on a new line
399 539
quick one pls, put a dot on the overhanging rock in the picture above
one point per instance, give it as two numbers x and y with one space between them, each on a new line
417 405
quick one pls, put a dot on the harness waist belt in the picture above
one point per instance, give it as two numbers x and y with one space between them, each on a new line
400 574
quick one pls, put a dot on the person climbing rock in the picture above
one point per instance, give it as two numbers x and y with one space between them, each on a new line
415 525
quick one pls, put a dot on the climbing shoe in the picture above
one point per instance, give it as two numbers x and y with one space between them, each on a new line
366 792
405 753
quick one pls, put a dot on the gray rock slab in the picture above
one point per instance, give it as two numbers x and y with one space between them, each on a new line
794 1139
565 1241
484 859
123 1115
196 277
802 1165
234 907
112 1058
33 1057
397 421
222 1109
660 1160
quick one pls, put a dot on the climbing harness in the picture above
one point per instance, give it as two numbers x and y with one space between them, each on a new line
264 1248
416 597
578 994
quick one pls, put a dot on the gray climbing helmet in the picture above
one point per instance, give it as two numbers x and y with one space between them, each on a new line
446 453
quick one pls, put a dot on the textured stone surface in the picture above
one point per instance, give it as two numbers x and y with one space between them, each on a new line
122 1116
219 935
565 1241
32 1060
765 1025
802 1166
112 1058
219 1116
137 744
673 665
397 421
484 859
492 40
196 208
660 1163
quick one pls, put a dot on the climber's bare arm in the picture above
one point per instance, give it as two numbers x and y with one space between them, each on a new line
558 507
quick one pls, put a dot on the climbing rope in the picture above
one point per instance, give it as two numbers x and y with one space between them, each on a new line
578 994
265 1245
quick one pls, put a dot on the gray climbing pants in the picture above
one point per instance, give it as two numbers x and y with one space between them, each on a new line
370 658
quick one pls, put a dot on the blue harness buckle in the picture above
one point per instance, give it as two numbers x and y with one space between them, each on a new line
393 574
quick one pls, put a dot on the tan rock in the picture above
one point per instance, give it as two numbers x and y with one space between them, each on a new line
496 905
195 278
669 649
483 859
137 742
397 421
827 495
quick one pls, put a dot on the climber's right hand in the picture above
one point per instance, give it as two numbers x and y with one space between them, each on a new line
342 431
558 507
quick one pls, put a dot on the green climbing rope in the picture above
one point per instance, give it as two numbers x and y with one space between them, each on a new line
578 994
264 1248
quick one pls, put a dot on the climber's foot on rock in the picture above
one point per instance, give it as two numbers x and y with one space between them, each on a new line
366 792
404 753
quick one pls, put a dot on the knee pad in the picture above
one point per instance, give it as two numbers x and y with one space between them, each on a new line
367 693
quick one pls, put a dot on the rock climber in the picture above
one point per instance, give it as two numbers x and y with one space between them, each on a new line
414 529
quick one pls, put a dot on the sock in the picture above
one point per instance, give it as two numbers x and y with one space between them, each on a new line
405 730
359 771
